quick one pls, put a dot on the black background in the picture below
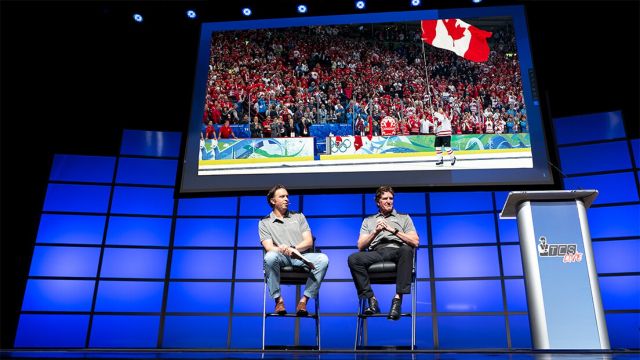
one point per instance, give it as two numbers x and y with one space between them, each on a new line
75 74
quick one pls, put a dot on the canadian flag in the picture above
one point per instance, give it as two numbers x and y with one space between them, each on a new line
456 35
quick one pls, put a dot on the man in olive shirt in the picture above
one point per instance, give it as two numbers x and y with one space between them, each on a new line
389 236
281 232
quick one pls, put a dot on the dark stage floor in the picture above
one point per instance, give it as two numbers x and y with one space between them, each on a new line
314 355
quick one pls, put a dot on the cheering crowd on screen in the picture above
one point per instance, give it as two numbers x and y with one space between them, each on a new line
282 81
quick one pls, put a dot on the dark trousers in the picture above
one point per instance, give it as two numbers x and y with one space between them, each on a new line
359 263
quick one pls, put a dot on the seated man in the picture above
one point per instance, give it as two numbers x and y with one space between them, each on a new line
389 236
284 234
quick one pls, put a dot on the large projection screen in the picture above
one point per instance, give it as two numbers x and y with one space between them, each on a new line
355 90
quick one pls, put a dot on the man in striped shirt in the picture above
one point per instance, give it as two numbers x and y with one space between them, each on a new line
443 136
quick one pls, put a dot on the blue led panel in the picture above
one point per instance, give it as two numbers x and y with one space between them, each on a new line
516 295
64 261
424 297
463 229
612 188
520 331
134 263
257 205
469 296
386 292
338 332
511 260
472 332
422 263
620 292
501 198
335 231
200 297
338 263
614 221
201 264
249 264
382 332
151 143
138 231
248 233
82 168
635 147
147 171
58 295
590 127
466 262
129 296
280 331
219 206
205 232
52 331
595 157
624 330
144 201
246 332
449 202
617 256
70 229
424 332
508 230
195 332
407 203
341 204
338 297
77 198
110 331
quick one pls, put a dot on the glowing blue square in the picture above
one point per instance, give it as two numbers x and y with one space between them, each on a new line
200 297
472 332
620 292
508 231
406 203
58 295
219 206
64 261
338 297
516 295
144 201
146 171
466 262
129 296
469 296
201 264
595 157
246 332
617 256
452 202
111 331
77 198
338 268
624 330
614 221
52 331
79 168
589 127
248 233
335 231
612 188
138 231
511 260
195 332
249 264
71 229
463 229
520 332
382 332
338 332
340 204
151 143
134 263
205 232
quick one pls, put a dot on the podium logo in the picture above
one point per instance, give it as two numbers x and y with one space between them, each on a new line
568 252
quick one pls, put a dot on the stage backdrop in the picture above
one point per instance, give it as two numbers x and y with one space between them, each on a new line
119 262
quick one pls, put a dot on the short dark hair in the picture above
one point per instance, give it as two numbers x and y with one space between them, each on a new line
383 189
272 193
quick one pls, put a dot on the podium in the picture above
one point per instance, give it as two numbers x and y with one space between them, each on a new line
563 295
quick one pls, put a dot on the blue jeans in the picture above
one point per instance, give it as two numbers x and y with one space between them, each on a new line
274 260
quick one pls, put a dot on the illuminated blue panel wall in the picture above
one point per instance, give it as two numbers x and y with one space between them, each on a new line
141 269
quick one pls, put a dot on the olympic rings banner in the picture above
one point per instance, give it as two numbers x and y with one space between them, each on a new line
256 149
354 145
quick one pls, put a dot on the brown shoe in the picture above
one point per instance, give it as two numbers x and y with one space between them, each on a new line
280 310
301 309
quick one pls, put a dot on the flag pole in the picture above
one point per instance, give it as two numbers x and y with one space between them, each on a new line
426 72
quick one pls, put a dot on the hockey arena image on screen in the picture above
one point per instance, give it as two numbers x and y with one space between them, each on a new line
410 97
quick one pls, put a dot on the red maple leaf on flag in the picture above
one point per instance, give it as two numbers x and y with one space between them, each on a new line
455 31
